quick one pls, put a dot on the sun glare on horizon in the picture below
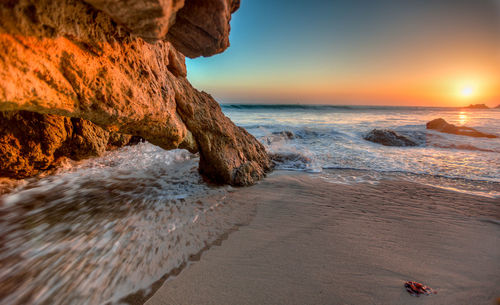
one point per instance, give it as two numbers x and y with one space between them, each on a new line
467 91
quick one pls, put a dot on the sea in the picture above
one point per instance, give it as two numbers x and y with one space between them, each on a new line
316 138
100 230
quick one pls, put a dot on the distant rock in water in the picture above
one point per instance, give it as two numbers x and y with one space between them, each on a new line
443 126
497 107
388 138
477 106
279 136
285 134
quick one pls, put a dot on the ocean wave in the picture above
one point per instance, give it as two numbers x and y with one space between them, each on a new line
348 175
292 161
431 139
134 215
285 107
414 174
273 134
282 107
465 147
312 138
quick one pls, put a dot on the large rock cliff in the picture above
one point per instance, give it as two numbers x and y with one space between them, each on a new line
117 64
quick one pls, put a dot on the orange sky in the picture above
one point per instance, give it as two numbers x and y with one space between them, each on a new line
384 52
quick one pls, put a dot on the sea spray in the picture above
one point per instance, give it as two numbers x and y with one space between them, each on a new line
315 138
107 227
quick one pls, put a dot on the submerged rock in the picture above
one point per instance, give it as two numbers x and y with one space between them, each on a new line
442 126
286 134
116 64
388 138
290 156
295 160
278 136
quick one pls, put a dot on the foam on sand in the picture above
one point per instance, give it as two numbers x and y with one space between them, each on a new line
315 242
108 227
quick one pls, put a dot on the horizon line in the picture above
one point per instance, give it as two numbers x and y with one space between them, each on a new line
347 105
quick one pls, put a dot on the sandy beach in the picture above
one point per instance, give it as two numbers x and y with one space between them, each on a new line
316 242
220 152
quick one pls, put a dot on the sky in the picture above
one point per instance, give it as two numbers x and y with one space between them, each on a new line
364 52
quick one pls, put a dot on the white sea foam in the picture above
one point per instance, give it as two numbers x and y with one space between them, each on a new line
104 228
101 229
332 137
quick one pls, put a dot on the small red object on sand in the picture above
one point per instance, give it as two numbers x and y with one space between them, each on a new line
417 289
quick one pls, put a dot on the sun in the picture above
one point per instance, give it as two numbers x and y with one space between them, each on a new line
467 92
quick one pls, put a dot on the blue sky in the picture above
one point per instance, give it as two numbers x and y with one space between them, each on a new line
357 52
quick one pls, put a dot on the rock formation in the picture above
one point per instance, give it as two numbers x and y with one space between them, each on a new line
443 126
477 106
32 142
117 64
388 138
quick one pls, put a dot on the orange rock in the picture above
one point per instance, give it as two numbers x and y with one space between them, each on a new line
116 64
32 142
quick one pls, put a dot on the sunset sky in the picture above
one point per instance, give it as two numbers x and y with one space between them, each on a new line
386 52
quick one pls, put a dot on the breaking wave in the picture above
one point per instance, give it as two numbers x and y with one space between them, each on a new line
107 227
314 138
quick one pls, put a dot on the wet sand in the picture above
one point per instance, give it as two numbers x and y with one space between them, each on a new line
315 242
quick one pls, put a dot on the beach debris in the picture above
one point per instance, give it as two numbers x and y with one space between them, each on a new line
417 289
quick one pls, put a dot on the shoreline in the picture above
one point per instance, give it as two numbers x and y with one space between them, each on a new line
317 242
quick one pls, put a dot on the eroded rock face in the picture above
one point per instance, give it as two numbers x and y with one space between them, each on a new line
202 27
91 70
97 61
147 19
228 153
443 126
31 142
195 27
